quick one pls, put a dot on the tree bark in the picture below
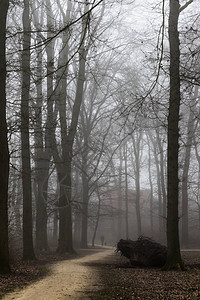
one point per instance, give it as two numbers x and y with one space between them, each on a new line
28 252
137 154
98 217
126 192
119 198
41 242
162 179
160 210
85 197
65 242
190 135
42 153
174 260
151 189
4 154
55 225
67 152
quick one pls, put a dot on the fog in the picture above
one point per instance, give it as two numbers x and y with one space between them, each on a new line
88 89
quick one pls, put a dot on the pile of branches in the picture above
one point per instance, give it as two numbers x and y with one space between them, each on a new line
143 252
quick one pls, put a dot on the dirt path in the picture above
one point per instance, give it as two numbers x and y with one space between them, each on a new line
68 279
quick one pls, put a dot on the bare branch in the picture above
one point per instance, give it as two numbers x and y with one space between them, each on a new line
185 5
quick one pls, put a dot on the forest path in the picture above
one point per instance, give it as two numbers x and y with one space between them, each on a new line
68 279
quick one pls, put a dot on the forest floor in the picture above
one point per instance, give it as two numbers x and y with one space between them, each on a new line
99 274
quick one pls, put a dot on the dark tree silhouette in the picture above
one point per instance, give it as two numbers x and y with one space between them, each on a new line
28 252
174 260
4 155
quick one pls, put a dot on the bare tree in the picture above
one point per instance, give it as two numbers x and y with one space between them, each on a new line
137 145
158 171
174 260
28 252
42 153
4 155
188 145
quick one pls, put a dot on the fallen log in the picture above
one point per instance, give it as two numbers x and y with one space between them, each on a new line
143 252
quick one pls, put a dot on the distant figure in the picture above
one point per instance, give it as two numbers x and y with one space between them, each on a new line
102 240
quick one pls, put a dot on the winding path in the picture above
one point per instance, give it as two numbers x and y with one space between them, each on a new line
69 279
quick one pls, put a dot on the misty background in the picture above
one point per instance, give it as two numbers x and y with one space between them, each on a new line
87 107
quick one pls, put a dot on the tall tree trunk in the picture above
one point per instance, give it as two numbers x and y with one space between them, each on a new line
162 180
4 155
137 155
18 206
41 242
154 143
151 188
67 152
42 153
63 162
198 181
98 217
28 252
126 191
174 260
138 213
55 225
119 198
85 199
190 135
65 242
77 212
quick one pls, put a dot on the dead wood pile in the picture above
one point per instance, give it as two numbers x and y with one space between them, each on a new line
143 252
